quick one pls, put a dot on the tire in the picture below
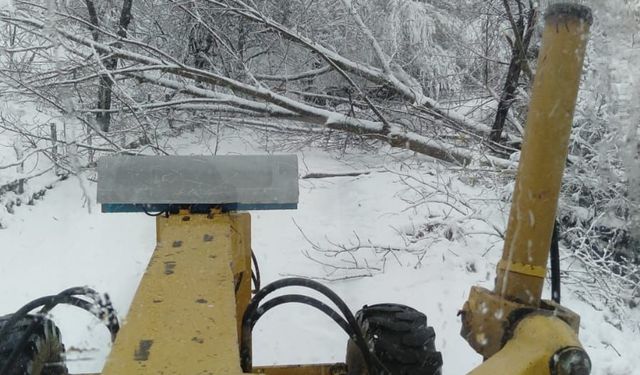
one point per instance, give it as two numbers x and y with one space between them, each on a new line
43 353
399 336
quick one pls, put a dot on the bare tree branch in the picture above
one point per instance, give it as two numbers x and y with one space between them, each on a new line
296 77
278 104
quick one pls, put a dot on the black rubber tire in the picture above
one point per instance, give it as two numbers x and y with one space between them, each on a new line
43 353
399 337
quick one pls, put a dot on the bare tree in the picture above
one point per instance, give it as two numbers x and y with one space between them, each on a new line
246 94
109 62
523 24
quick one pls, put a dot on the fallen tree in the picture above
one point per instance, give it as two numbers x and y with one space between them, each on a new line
221 93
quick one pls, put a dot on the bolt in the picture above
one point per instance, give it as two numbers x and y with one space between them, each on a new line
571 361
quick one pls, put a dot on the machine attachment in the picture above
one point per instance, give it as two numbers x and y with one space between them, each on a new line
167 183
184 318
510 326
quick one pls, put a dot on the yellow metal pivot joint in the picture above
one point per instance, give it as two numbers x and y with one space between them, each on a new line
540 344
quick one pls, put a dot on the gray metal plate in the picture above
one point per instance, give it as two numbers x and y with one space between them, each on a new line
270 180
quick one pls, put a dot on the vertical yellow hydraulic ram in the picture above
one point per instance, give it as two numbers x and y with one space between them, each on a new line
521 272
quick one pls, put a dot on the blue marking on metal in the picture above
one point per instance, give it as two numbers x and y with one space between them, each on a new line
195 208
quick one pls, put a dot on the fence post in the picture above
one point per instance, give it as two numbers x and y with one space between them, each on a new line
54 148
17 147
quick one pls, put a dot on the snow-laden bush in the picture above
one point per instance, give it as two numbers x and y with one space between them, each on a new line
600 208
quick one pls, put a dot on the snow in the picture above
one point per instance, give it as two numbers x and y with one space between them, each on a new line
58 243
408 231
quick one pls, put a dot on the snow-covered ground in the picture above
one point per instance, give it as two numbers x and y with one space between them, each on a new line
64 241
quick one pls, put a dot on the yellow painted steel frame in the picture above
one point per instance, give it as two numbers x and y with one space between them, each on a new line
194 292
537 338
326 369
183 319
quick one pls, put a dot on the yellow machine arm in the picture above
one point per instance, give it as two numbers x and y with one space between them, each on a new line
510 326
183 318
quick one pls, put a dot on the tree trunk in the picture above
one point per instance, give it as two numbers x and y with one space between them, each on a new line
520 46
106 82
104 102
507 97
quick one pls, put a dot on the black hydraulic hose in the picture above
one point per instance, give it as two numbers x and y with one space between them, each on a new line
153 214
245 341
298 298
101 308
48 303
255 282
24 310
81 290
102 313
555 264
256 276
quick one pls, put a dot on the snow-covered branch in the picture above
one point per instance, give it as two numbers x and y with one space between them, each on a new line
295 77
360 69
263 100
